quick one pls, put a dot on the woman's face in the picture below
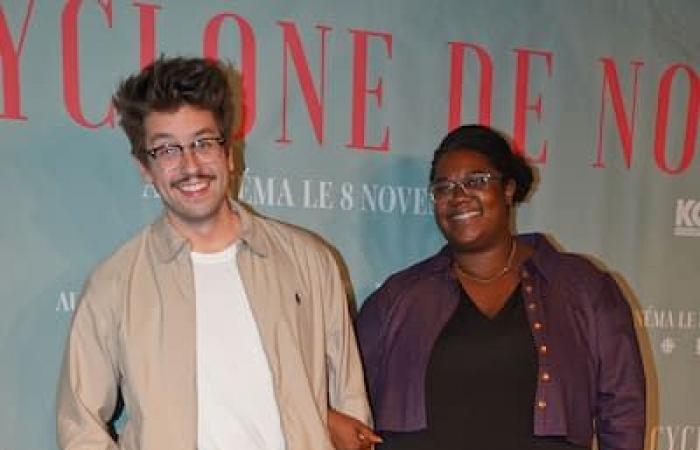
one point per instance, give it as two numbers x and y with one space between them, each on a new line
474 213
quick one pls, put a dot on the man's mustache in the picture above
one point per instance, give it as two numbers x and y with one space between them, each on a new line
192 177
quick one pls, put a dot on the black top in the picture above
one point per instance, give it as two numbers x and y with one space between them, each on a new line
480 385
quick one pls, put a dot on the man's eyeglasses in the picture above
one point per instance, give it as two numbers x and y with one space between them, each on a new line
169 155
477 181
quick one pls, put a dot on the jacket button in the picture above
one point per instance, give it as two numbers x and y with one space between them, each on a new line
525 274
543 349
541 404
531 306
537 325
528 289
545 376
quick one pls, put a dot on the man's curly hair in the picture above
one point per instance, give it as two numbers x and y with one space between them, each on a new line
168 84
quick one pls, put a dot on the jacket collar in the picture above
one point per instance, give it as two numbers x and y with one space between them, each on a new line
169 244
544 259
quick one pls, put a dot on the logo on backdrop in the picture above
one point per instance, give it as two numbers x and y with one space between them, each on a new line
65 303
149 191
687 218
675 437
672 331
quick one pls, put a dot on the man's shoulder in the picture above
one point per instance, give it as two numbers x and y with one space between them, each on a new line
107 282
282 236
299 252
117 265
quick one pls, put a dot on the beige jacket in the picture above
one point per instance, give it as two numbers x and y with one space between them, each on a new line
134 330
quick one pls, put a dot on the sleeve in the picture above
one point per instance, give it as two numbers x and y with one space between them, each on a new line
621 399
369 326
347 392
88 384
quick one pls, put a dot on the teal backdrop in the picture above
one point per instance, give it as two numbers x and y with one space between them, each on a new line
345 102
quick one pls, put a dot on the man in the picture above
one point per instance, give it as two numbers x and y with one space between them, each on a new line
218 328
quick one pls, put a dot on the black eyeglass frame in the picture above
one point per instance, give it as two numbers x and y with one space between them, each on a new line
478 181
158 151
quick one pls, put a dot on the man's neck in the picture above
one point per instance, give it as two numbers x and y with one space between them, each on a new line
212 235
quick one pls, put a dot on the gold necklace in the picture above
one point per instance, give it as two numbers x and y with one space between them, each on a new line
495 276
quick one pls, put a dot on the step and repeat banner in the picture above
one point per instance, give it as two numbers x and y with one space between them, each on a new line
345 102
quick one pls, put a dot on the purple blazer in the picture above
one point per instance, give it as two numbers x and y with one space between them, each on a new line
591 378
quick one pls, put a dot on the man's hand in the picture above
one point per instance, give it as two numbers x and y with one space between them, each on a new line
348 433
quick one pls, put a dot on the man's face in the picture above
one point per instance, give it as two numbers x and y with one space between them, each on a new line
193 188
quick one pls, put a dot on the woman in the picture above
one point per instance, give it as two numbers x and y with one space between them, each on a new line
499 341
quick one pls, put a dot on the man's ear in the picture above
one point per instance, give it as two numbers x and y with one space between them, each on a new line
143 170
230 158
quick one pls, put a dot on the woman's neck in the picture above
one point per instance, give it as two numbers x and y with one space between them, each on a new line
487 265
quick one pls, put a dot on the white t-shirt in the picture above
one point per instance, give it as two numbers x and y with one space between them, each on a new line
235 397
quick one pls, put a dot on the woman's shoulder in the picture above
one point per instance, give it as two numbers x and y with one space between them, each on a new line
425 269
413 278
555 263
581 279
